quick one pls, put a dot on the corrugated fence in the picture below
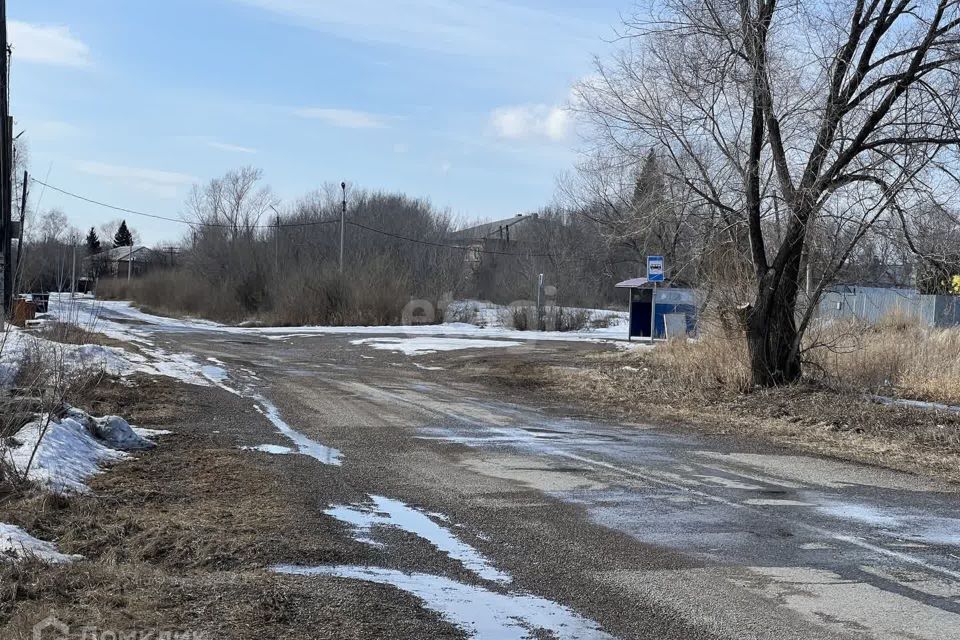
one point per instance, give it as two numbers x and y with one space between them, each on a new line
870 304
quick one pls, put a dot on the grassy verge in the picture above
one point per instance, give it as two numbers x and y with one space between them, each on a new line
179 539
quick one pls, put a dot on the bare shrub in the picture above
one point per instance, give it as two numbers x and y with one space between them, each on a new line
44 383
467 313
565 319
521 317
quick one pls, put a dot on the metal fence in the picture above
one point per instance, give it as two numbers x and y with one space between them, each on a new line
870 304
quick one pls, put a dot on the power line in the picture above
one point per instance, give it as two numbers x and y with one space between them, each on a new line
169 219
448 246
290 224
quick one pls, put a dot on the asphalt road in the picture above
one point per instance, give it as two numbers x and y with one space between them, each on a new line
640 532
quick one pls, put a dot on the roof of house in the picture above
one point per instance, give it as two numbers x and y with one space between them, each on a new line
491 229
121 253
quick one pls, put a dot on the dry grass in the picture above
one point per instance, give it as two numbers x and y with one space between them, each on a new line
66 333
375 296
898 356
713 363
179 537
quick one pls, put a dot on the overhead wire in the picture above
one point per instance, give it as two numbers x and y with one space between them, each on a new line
196 223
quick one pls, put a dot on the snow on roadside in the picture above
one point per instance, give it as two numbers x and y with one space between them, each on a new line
17 544
385 512
423 346
122 321
72 449
18 345
481 613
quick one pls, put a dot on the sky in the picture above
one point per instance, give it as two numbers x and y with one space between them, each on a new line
457 101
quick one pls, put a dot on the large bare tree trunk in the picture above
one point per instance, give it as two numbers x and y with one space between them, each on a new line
771 324
771 337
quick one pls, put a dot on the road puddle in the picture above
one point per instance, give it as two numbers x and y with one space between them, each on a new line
385 512
481 613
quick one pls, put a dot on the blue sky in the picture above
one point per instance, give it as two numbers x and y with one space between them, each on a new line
458 101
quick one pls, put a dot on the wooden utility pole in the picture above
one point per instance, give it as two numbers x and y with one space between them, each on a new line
343 221
23 222
6 162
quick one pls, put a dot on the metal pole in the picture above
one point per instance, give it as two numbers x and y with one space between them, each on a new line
73 273
129 262
653 313
343 221
540 326
276 248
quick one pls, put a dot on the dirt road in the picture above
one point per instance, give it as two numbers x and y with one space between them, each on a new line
505 515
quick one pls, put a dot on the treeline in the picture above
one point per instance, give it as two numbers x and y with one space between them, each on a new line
247 257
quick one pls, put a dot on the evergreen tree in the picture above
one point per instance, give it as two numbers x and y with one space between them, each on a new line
93 243
123 237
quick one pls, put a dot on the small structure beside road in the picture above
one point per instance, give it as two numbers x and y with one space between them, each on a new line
673 313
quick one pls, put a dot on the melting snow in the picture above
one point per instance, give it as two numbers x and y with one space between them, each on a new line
68 453
422 346
306 446
483 614
393 513
17 544
274 449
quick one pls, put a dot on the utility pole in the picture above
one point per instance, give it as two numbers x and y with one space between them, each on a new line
276 243
23 222
73 273
343 221
129 262
6 161
540 326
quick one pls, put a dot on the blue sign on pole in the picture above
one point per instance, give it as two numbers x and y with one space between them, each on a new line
655 269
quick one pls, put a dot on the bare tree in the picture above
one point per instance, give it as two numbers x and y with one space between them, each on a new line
780 114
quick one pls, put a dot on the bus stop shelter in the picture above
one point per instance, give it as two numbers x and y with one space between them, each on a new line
673 315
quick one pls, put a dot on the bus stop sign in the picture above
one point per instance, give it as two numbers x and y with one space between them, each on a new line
655 268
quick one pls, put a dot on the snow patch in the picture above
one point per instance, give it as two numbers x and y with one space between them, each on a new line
69 450
392 513
306 446
273 449
113 430
422 346
17 544
481 613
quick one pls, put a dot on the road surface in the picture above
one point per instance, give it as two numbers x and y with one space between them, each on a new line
608 530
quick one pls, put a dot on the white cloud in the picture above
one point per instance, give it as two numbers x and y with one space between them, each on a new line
231 148
47 45
165 184
401 147
478 27
345 118
532 122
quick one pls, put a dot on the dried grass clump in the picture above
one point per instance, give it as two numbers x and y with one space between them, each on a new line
898 356
715 362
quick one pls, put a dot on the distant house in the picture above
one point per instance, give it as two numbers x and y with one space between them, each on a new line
120 261
495 249
513 229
